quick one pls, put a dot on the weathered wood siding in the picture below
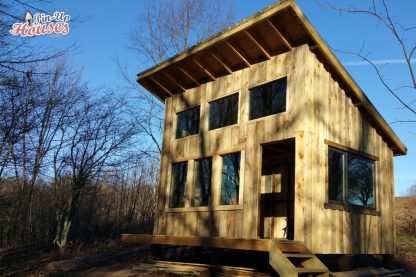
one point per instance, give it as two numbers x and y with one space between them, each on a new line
331 115
317 110
238 221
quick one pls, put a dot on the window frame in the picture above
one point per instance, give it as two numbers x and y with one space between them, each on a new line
219 99
177 121
286 77
345 205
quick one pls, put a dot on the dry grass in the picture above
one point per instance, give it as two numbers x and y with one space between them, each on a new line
406 231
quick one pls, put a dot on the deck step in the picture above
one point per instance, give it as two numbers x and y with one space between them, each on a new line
300 255
296 264
302 270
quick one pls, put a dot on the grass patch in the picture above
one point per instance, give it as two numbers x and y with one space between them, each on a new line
407 244
406 248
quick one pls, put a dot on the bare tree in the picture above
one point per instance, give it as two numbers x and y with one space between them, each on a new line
14 102
35 109
98 138
401 36
55 102
412 190
164 29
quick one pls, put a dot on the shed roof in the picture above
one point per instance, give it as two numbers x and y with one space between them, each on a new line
274 30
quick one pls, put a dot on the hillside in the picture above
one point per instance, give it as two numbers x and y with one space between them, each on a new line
406 231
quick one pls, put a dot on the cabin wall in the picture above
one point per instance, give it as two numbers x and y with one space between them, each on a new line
317 110
330 115
236 221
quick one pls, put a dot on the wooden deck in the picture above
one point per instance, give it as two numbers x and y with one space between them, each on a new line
288 258
216 242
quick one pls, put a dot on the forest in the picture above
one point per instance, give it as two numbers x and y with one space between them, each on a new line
80 163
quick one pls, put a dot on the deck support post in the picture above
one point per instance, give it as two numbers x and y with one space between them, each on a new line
156 251
215 256
388 261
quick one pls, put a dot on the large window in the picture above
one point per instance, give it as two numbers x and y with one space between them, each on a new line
268 99
202 188
230 183
223 112
179 171
350 179
360 181
188 122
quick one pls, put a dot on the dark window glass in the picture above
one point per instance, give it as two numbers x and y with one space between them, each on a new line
223 112
179 171
360 181
335 176
230 183
202 189
350 179
188 123
268 99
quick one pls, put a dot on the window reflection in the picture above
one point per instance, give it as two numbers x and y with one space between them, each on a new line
230 183
350 178
188 122
335 176
268 99
223 112
360 181
202 189
179 171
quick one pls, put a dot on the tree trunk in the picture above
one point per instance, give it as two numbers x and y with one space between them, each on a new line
64 218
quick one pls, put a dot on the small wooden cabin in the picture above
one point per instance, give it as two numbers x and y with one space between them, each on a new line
267 136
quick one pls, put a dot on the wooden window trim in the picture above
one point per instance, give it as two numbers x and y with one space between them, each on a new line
189 137
188 108
205 209
352 209
350 150
209 154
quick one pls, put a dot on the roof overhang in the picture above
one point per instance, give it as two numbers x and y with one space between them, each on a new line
274 30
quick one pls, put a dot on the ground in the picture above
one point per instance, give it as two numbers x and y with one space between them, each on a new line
116 259
405 224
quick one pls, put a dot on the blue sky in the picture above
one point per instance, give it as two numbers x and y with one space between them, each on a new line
103 37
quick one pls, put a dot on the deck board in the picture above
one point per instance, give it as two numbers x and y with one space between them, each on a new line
215 242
